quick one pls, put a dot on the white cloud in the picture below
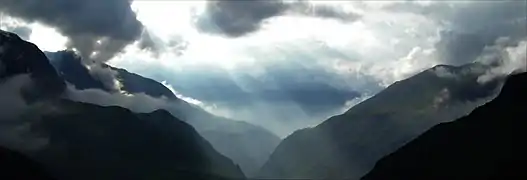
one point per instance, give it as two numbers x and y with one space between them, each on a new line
181 96
513 59
136 102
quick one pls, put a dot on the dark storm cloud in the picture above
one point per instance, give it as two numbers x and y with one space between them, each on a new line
238 18
111 22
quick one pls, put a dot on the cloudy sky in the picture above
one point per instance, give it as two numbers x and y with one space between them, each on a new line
280 64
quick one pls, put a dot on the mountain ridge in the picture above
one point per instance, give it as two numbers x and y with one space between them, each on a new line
19 57
87 141
240 136
486 144
348 145
104 143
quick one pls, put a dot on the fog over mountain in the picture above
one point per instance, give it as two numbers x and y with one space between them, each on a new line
75 140
258 60
248 145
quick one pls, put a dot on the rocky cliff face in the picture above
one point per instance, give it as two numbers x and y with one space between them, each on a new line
489 143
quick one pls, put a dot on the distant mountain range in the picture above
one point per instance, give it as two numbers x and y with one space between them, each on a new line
489 143
348 145
85 141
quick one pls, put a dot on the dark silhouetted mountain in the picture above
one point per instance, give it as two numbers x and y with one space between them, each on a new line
489 143
20 57
93 142
235 139
15 165
348 145
85 141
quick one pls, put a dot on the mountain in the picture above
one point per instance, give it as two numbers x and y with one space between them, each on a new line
489 143
348 145
86 141
15 165
69 66
246 144
249 145
19 57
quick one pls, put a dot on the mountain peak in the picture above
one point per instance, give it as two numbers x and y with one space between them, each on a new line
21 57
348 145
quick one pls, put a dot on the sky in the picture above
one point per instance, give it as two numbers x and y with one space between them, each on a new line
283 65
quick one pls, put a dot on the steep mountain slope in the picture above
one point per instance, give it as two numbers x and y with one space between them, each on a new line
348 145
248 145
134 83
18 57
17 166
93 142
85 141
487 144
69 66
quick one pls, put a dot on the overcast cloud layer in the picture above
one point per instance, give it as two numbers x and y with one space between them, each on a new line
290 65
